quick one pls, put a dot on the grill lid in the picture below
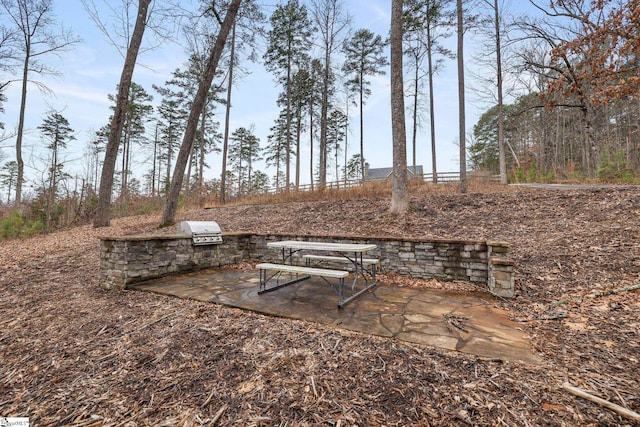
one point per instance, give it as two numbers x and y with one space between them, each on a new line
201 232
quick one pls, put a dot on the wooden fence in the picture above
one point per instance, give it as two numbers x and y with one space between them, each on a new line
443 177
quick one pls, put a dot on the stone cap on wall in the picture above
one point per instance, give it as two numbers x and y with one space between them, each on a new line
141 237
501 261
388 237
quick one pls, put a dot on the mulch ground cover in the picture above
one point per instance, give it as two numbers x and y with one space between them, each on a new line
74 354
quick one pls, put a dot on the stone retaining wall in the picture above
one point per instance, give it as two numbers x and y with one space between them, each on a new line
128 260
133 259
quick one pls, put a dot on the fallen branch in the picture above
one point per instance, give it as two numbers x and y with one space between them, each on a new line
615 291
552 315
616 408
206 402
218 414
453 320
597 295
146 325
313 386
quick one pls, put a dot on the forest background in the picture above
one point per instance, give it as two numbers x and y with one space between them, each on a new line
568 72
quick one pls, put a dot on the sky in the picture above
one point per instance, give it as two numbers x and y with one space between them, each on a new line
91 70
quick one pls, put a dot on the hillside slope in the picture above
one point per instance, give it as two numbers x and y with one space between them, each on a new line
73 354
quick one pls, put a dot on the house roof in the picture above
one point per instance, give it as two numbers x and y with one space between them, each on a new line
384 173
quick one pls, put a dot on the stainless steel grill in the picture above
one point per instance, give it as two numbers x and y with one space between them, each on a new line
201 232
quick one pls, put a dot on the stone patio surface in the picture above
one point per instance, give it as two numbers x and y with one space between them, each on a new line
461 321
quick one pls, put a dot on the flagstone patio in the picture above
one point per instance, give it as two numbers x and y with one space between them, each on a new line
460 321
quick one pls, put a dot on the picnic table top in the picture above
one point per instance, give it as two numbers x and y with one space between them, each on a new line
322 246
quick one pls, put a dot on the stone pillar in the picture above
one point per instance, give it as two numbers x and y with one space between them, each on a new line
500 269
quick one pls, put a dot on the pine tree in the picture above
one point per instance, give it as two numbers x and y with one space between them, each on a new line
103 210
276 149
171 125
352 168
259 183
199 101
425 23
335 136
289 43
313 110
244 149
57 132
300 98
332 23
185 83
399 195
8 177
137 113
34 22
364 58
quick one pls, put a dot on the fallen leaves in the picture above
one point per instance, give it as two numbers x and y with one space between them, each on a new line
76 355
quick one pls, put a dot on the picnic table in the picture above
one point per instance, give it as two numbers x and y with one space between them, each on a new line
352 254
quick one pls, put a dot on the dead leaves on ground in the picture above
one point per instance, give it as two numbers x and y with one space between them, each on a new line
76 355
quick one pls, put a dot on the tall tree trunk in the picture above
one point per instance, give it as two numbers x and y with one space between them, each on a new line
203 129
322 171
155 163
590 146
187 185
461 106
288 124
103 208
414 129
346 141
227 113
399 196
124 188
23 104
361 127
298 137
171 208
169 159
501 146
311 143
432 113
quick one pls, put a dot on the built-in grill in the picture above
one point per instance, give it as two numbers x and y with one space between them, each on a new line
201 232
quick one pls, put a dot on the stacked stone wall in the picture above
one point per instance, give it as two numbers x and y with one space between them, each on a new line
130 260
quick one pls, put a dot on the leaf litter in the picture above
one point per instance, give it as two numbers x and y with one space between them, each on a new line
73 354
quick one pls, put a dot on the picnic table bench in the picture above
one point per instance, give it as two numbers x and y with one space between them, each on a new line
351 253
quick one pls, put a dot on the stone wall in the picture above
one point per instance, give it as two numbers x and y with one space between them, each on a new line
130 260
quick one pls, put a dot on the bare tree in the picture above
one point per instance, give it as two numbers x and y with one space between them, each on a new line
171 207
243 43
8 53
492 84
364 58
332 24
227 117
426 22
399 196
103 209
8 58
501 145
569 79
127 39
461 106
35 25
